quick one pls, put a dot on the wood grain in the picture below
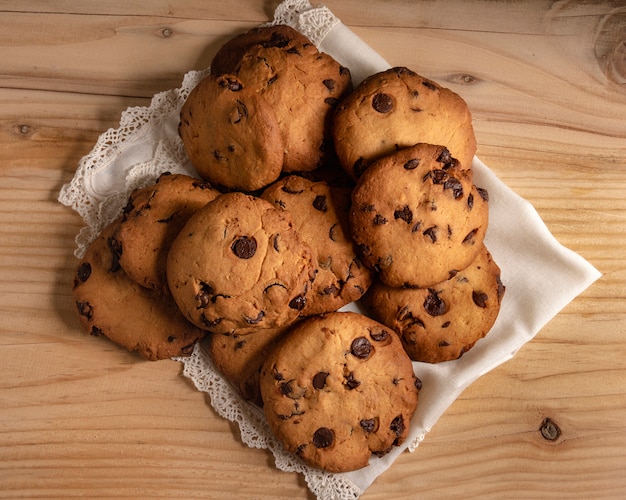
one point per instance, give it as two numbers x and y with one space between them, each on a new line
546 82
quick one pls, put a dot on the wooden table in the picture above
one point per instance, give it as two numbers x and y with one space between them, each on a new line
546 82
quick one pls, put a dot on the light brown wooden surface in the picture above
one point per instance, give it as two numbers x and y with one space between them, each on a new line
546 82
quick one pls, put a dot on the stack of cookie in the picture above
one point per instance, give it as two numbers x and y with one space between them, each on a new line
313 195
417 217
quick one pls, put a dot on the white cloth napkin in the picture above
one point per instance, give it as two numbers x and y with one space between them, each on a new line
541 276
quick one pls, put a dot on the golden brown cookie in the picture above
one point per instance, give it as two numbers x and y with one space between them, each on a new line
303 88
280 36
320 214
231 134
398 108
417 218
442 322
152 219
337 389
139 319
239 263
239 357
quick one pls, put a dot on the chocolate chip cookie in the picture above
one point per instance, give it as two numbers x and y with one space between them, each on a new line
398 108
111 304
320 213
303 88
417 217
231 134
337 389
238 357
442 322
152 219
239 263
280 36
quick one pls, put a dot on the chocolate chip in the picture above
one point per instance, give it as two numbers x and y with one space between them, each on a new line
416 227
444 156
361 347
204 295
331 101
285 388
430 85
383 103
404 213
443 343
319 380
293 50
209 323
470 201
171 339
431 232
456 187
379 220
332 232
484 194
298 302
397 425
319 203
254 321
480 298
116 249
277 40
351 382
470 236
501 288
343 71
329 84
445 325
380 335
323 437
412 164
418 384
369 424
230 83
433 304
85 309
244 247
84 271
438 176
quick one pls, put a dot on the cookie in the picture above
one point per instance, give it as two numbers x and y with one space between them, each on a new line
152 219
442 322
239 357
304 89
111 304
281 36
417 217
320 213
337 389
231 135
395 109
239 263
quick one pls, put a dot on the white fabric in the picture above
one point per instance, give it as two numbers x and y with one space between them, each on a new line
541 276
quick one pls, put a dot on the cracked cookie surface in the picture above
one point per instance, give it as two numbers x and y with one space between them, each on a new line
338 389
239 263
442 322
417 217
111 304
152 219
320 213
395 109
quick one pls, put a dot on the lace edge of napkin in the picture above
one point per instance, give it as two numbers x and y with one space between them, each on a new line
313 22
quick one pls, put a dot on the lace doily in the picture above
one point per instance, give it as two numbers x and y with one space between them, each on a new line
541 275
